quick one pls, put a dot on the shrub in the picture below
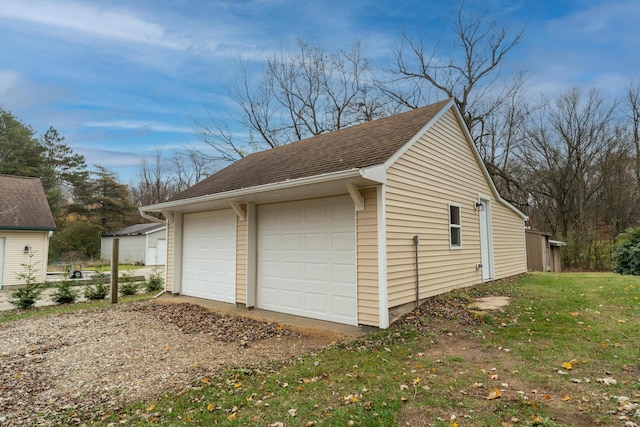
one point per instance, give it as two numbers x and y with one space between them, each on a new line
155 283
627 252
97 291
26 297
129 288
64 293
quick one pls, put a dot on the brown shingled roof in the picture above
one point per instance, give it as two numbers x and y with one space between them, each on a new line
23 204
359 146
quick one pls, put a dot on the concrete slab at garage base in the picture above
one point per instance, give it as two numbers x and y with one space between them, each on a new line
293 322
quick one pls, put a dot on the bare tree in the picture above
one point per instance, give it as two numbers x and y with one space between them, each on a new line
190 168
567 144
300 95
633 113
156 183
469 75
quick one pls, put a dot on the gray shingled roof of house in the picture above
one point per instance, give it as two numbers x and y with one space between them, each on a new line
135 230
23 204
355 147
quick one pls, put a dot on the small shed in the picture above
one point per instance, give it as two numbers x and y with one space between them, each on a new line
139 244
543 253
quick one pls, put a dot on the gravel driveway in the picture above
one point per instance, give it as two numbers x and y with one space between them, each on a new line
91 362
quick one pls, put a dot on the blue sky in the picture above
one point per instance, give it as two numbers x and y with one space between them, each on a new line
120 79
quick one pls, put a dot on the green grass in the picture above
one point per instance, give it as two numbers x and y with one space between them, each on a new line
11 315
425 373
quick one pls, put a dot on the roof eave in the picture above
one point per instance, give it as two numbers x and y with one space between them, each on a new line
28 228
283 185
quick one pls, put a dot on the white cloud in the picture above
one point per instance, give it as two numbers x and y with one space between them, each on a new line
91 19
139 125
9 79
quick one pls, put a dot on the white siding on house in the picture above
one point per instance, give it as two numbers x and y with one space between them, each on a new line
15 260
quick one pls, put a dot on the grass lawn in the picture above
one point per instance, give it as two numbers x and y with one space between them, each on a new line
565 352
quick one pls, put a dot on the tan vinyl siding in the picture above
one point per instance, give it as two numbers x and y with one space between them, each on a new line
509 243
15 259
241 260
445 165
367 247
171 231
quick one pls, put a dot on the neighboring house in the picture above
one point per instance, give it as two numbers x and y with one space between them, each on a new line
26 224
137 244
324 227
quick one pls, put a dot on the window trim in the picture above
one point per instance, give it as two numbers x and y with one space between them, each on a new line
453 226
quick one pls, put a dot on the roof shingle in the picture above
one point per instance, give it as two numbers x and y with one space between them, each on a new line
23 204
359 146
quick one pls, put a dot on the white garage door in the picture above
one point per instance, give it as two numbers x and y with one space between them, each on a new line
307 259
209 255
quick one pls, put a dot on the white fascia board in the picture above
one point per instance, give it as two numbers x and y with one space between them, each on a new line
377 173
317 179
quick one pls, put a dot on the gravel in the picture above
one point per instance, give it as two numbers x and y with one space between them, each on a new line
94 361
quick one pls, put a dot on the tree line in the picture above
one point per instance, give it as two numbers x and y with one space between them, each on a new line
570 161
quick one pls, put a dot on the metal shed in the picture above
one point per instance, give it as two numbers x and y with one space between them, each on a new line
543 253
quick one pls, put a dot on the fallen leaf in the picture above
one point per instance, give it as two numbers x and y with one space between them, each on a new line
536 419
151 407
566 398
495 393
211 407
292 412
607 381
232 416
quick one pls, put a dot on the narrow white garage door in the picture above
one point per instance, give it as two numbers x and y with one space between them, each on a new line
307 259
209 255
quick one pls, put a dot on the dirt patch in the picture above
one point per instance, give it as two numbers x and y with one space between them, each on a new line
88 362
451 322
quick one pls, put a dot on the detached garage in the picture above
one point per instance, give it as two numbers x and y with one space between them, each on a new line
327 227
144 244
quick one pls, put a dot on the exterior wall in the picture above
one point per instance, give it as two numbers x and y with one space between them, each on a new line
536 251
168 280
440 168
241 260
15 258
152 238
509 242
131 249
367 259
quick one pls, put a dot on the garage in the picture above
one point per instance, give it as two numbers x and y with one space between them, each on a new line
209 255
307 259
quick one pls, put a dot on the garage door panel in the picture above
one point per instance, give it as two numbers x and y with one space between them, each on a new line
209 251
342 275
306 259
317 272
343 242
316 242
341 306
291 270
291 242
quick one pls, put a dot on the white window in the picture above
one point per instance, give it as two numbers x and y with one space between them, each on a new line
455 227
